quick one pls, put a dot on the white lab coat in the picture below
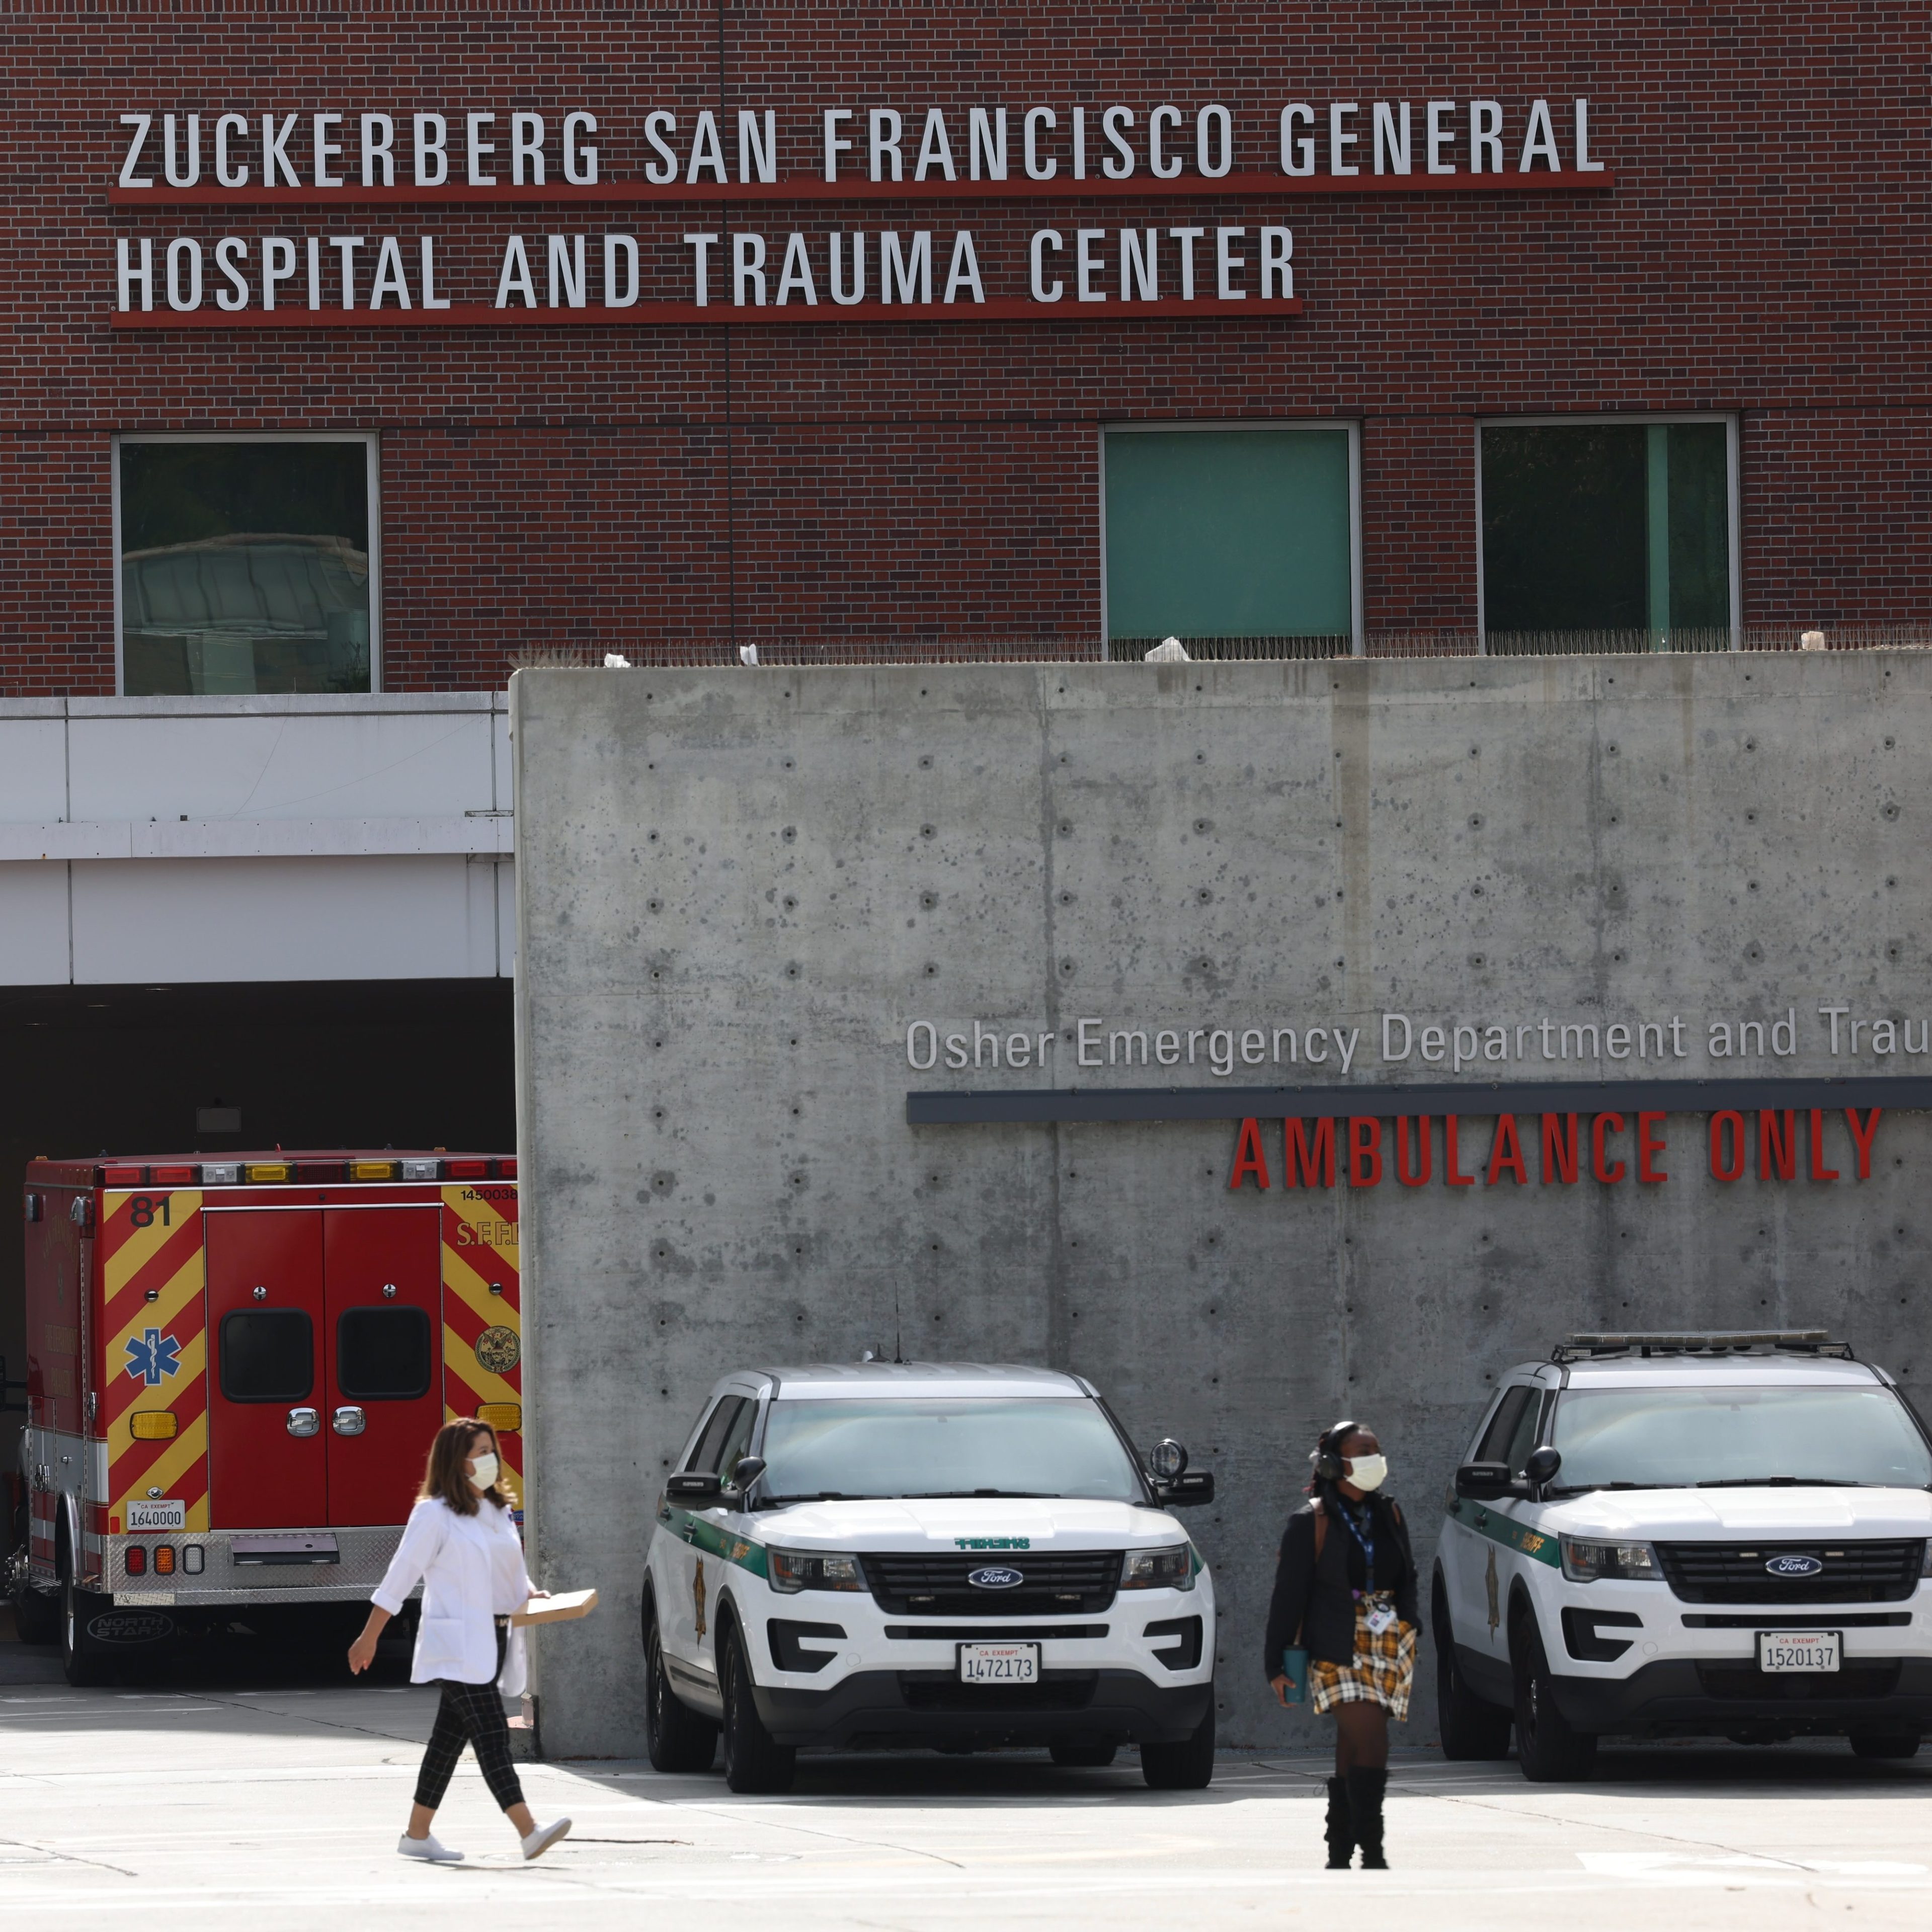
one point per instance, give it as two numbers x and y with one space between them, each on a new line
472 1570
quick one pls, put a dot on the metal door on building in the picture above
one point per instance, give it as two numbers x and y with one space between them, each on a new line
383 1357
268 1462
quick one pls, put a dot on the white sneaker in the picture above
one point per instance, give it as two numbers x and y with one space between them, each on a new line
428 1849
543 1837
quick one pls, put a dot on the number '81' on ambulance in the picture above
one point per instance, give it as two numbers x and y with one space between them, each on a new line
1673 1535
920 1554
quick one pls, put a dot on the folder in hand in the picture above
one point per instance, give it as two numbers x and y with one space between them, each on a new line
564 1608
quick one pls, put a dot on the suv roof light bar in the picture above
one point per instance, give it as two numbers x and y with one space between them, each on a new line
1713 1342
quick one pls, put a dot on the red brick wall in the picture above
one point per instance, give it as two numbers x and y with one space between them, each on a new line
1762 252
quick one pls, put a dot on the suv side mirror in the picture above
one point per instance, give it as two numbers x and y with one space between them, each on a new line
1542 1465
694 1488
749 1469
1193 1486
1483 1482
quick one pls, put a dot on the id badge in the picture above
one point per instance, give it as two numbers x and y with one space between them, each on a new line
1379 1619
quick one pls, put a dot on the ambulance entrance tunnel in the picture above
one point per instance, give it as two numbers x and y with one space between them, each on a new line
1074 1014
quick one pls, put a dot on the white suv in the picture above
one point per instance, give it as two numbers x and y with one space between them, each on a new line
927 1554
1687 1535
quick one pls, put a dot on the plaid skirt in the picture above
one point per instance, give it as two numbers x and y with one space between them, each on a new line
1383 1670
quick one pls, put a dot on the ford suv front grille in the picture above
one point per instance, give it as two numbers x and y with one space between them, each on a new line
1049 1585
1775 1573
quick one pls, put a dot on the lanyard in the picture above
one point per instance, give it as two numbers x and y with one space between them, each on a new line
1365 1544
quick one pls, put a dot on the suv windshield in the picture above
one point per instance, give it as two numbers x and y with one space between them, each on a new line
865 1446
1668 1438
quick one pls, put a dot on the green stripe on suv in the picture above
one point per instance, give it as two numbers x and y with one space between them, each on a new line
1535 1543
715 1540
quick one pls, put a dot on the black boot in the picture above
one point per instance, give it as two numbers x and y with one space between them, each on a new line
1341 1832
1365 1802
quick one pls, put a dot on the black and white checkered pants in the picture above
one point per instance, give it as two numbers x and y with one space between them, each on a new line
471 1713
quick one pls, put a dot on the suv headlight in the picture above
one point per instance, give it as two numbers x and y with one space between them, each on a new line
1169 1569
1585 1562
791 1571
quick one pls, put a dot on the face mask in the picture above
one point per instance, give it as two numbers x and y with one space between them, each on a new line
487 1466
1369 1472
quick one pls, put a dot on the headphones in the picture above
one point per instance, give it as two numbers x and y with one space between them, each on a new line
1325 1457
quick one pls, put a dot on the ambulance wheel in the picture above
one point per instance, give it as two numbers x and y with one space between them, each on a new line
1548 1748
1473 1729
1182 1767
1885 1743
753 1760
1086 1757
675 1737
81 1661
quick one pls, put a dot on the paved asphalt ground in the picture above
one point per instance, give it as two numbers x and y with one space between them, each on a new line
270 1799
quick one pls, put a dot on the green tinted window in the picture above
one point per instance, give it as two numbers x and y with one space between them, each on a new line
1227 533
245 567
1622 527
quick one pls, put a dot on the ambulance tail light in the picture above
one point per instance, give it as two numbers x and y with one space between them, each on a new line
164 1559
422 1170
137 1560
194 1559
124 1177
153 1425
374 1170
466 1170
172 1176
506 1170
506 1418
268 1170
220 1173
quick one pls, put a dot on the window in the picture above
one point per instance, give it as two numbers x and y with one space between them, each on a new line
1622 528
246 566
1504 1424
737 1442
383 1354
704 1458
268 1354
1231 533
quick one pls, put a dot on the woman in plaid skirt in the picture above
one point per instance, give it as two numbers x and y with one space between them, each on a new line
1344 1591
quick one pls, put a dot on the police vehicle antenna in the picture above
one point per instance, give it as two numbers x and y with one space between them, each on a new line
899 1328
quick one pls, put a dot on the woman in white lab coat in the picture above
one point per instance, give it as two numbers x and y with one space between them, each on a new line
461 1543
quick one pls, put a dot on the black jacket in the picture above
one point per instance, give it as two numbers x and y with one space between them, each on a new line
1316 1598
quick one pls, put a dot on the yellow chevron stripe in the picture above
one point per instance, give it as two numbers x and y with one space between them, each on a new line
185 1288
472 1373
461 1278
476 1212
191 1446
141 1244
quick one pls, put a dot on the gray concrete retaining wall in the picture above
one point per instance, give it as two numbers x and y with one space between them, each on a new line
739 892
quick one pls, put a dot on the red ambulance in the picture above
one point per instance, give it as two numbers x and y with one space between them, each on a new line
234 1369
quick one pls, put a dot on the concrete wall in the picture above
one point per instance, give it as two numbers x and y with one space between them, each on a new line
738 889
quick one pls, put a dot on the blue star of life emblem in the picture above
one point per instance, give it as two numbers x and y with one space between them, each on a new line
153 1356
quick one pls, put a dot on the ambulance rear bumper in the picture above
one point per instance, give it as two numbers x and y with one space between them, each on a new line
928 1707
266 1566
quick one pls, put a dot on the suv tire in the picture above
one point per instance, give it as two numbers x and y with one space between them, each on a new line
1187 1766
1473 1729
1885 1743
754 1762
1549 1749
675 1738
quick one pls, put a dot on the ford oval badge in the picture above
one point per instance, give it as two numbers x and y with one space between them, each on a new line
1794 1566
995 1577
